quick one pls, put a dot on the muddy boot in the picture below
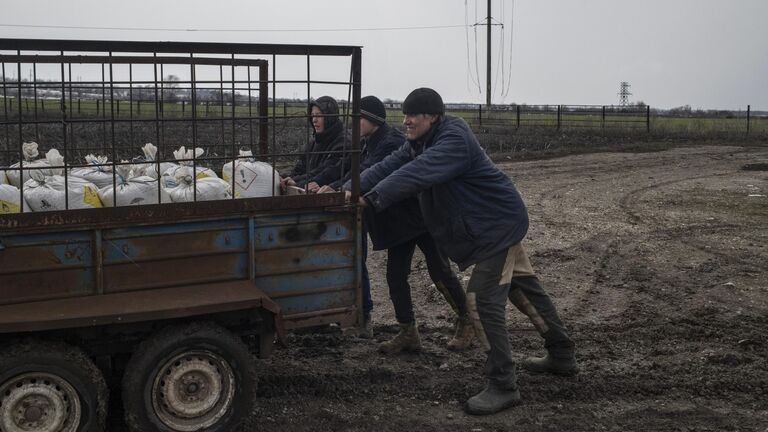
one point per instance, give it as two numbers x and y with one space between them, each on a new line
406 340
463 336
555 365
367 331
492 400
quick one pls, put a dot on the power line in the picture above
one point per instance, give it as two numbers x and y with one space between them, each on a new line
233 30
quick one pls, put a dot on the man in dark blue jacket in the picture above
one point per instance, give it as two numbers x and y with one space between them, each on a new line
399 229
477 217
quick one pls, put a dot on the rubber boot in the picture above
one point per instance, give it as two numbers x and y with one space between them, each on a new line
463 335
406 340
565 366
492 400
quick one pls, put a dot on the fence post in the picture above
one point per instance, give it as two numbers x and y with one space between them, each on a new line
749 109
480 114
183 107
42 105
78 106
558 117
285 109
602 121
97 106
518 116
648 118
118 107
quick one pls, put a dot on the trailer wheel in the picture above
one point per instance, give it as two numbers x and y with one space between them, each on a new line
47 387
192 377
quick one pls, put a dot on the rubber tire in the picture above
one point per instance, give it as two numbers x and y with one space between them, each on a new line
143 367
68 362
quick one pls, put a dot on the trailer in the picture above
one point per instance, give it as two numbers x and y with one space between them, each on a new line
166 303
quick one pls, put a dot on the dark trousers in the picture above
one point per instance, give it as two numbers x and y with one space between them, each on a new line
489 295
399 267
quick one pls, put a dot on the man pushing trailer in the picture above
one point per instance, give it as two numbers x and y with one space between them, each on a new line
477 217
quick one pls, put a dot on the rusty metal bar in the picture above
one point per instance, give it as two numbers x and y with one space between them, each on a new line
173 47
214 61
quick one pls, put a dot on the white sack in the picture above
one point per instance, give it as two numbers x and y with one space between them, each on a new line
46 193
9 200
132 190
208 188
30 152
99 171
168 179
150 169
252 179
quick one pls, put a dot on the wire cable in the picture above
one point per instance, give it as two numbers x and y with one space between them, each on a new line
232 30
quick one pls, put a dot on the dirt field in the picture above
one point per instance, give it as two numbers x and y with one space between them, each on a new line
658 262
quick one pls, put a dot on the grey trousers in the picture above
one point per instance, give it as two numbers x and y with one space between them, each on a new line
509 276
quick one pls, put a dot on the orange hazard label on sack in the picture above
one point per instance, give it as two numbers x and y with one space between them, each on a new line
7 207
91 197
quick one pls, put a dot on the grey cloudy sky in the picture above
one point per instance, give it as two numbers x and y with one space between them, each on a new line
704 53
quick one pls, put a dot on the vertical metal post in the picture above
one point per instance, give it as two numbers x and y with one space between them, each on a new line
558 117
749 110
647 118
64 133
355 175
112 129
159 154
488 63
518 116
34 99
194 120
480 114
263 109
235 153
602 120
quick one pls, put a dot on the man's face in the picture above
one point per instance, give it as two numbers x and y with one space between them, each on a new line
318 122
367 128
416 125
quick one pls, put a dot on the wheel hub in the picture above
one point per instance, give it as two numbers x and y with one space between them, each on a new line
38 402
193 390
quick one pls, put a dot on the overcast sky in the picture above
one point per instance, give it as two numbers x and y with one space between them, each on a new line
704 53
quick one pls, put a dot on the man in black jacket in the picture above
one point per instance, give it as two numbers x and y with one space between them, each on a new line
326 157
399 229
477 217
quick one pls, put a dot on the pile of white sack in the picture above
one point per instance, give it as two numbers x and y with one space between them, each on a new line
30 153
252 178
47 192
131 189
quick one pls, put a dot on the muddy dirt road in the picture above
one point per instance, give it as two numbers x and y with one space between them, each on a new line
658 262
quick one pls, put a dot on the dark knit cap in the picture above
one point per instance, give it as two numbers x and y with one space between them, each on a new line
423 101
372 109
327 105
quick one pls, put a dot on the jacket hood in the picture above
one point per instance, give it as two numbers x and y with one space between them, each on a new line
327 106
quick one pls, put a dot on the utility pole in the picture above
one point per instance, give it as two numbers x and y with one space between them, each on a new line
488 62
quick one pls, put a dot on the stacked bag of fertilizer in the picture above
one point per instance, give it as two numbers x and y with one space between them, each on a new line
208 188
184 158
98 171
29 152
9 200
149 169
47 192
251 178
131 189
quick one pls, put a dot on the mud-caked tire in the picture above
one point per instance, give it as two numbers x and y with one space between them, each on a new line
190 377
50 386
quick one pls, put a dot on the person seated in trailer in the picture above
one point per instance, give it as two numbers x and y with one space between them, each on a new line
326 156
399 229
